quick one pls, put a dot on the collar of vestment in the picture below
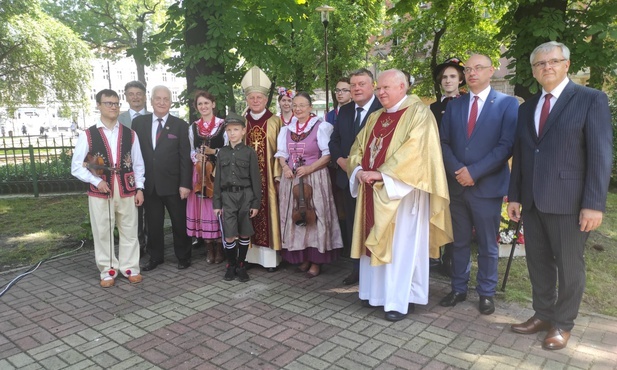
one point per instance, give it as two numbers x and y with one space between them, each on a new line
396 106
257 116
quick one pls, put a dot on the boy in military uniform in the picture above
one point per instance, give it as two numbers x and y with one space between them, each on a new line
237 195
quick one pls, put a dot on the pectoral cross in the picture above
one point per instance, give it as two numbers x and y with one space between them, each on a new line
256 144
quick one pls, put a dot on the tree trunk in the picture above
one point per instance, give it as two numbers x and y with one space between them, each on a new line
196 35
434 50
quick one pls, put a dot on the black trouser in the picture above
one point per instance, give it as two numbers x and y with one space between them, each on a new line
155 217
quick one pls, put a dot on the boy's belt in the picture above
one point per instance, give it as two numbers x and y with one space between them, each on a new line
235 189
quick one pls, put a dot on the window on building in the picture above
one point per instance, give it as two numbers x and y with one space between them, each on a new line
133 75
174 95
164 76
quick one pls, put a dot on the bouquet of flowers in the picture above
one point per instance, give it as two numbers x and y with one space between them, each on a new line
507 227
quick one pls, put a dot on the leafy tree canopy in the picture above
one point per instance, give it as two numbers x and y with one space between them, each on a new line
425 34
589 29
113 28
40 58
285 38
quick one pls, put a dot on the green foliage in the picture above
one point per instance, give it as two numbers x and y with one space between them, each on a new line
54 168
39 58
426 34
113 27
587 28
214 48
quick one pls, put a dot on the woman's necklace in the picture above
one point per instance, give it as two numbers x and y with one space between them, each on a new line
288 121
300 127
206 129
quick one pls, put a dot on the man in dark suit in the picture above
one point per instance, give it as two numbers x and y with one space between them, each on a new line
477 133
560 175
166 150
350 120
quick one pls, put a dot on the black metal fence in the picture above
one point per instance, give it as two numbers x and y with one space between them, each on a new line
37 164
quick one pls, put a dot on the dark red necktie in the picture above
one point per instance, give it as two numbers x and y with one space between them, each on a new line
546 109
159 129
473 116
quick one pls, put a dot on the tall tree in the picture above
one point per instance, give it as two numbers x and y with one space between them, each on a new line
216 41
426 33
112 26
40 59
587 28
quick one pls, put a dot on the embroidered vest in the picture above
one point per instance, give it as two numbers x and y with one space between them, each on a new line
99 147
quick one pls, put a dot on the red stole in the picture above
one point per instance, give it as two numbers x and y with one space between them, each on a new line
374 156
257 138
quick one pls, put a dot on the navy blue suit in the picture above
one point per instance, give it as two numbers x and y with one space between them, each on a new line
341 140
554 176
485 154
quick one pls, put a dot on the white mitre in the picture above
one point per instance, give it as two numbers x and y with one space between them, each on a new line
255 80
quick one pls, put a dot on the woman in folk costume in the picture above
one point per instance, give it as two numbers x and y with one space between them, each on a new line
285 100
311 238
206 135
262 129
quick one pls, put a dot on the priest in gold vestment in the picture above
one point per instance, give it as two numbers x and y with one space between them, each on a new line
262 129
397 174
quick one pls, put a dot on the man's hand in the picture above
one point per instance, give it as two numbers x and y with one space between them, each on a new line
184 192
369 177
139 198
514 211
103 187
589 219
253 212
217 212
463 177
342 163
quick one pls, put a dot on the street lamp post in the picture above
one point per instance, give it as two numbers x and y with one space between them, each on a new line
325 15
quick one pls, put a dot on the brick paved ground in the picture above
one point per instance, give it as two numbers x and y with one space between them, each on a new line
59 318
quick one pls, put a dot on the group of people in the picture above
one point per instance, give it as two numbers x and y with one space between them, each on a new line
260 187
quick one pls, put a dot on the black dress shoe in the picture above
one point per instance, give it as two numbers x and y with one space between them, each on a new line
395 316
452 299
487 306
365 303
151 265
352 278
183 264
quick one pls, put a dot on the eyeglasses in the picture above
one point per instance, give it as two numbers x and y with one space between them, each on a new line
550 63
301 106
476 69
340 91
110 104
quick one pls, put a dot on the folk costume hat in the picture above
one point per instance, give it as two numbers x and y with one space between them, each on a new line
451 62
234 119
255 80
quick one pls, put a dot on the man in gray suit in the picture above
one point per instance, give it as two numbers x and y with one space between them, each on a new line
560 174
135 93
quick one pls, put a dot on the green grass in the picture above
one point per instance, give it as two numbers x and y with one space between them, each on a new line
37 228
601 258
